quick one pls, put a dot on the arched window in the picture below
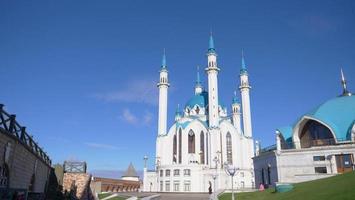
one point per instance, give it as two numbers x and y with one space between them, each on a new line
202 148
197 110
4 176
180 145
174 148
229 148
191 142
315 134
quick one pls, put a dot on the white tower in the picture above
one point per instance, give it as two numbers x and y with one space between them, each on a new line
163 86
236 113
212 72
244 90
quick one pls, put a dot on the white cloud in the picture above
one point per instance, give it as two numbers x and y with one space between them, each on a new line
101 146
136 91
147 118
128 116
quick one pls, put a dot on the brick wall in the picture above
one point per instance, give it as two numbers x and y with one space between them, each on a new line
22 165
77 184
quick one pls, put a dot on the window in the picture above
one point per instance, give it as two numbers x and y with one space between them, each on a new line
167 172
176 186
167 186
229 148
187 172
161 173
174 149
320 170
180 144
241 174
161 186
187 186
191 142
197 110
202 148
242 184
176 172
318 158
315 134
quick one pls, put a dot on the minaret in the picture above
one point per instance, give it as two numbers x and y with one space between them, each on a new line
198 86
236 113
163 86
343 83
244 90
212 72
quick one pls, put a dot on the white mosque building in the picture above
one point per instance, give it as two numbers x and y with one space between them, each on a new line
320 144
191 155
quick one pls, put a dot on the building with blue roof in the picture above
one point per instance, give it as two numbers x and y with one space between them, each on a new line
204 137
321 143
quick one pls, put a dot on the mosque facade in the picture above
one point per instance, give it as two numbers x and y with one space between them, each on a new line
193 154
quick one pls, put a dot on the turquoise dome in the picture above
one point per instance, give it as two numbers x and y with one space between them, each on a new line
338 113
198 99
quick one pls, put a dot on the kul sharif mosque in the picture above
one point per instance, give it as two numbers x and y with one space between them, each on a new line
191 154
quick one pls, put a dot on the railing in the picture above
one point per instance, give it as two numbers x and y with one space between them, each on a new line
268 148
316 143
10 126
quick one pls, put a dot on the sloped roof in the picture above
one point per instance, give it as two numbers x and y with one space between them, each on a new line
130 172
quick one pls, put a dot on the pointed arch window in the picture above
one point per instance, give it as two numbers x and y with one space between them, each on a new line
174 148
191 142
229 148
197 110
202 147
180 144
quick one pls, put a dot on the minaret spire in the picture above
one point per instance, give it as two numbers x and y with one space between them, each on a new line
163 60
198 86
343 82
244 67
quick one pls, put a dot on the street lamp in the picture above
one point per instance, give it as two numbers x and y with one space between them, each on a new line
231 171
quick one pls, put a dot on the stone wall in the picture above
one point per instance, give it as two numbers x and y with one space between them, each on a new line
23 165
78 185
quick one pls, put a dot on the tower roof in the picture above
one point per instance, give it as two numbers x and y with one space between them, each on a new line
211 48
130 172
163 61
198 80
235 99
244 67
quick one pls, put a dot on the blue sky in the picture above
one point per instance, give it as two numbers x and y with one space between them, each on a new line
81 75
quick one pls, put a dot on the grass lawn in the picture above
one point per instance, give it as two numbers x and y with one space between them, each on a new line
104 195
337 187
118 198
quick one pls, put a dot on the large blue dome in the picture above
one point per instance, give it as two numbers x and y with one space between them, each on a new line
338 113
198 99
